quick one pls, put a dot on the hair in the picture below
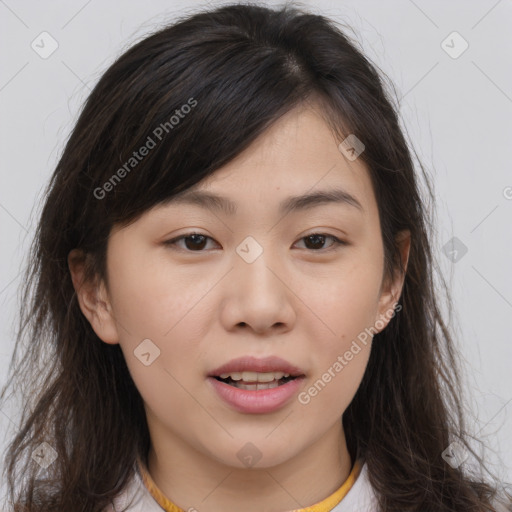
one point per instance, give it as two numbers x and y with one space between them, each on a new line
238 68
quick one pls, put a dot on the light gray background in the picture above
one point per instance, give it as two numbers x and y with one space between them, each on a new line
457 112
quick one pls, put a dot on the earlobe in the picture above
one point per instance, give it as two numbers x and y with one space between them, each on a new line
93 299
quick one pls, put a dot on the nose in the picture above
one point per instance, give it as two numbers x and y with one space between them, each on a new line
258 296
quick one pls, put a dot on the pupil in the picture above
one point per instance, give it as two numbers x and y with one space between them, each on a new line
194 245
316 237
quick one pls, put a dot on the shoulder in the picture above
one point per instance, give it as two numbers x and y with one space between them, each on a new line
361 497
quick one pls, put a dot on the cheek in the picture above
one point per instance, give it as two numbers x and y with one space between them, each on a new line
347 303
159 303
152 297
347 299
333 388
165 381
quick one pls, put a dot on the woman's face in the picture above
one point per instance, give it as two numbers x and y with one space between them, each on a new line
256 283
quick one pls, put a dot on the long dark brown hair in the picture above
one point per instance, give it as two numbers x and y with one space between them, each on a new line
239 68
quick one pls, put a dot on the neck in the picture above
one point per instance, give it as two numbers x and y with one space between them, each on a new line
192 479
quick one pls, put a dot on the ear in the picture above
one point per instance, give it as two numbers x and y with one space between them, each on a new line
391 287
93 299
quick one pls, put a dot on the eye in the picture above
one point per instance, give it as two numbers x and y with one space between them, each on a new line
317 239
195 242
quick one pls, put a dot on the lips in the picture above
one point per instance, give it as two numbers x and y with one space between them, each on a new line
253 364
260 401
256 397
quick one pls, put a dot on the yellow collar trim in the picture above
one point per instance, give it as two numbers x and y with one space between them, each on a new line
326 505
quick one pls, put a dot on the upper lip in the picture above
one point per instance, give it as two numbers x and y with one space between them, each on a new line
253 364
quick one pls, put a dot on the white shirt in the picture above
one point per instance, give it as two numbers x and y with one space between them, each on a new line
137 498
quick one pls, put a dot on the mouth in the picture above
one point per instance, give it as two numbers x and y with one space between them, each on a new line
254 381
256 386
252 373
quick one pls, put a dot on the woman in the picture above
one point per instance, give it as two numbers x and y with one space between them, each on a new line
265 372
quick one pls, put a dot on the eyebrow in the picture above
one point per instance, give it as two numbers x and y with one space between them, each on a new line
293 203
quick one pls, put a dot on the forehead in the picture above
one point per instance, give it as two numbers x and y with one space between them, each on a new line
294 165
293 168
307 201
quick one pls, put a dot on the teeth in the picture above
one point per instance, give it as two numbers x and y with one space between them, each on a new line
255 376
256 386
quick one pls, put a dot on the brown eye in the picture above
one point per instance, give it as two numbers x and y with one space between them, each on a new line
315 241
194 242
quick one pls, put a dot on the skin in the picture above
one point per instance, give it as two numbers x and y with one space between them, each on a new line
301 299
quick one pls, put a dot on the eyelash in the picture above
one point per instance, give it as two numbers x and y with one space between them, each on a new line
334 246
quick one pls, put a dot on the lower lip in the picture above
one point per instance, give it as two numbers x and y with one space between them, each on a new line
258 401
